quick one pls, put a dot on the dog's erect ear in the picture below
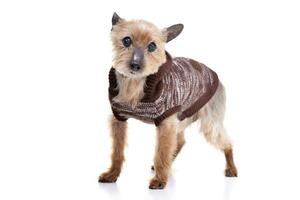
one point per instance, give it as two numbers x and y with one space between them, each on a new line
173 31
115 19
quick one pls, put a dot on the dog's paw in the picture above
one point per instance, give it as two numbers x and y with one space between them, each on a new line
108 177
157 184
231 172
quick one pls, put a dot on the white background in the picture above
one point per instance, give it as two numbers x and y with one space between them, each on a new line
54 61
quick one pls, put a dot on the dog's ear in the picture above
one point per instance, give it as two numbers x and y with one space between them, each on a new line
116 19
172 31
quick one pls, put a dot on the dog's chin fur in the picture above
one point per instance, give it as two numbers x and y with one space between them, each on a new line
131 74
131 89
131 85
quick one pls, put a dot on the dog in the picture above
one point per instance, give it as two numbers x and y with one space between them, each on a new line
146 83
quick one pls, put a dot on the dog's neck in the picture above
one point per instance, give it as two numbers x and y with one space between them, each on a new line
131 90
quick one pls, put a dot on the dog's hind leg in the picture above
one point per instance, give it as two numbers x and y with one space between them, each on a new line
118 134
217 136
212 116
180 144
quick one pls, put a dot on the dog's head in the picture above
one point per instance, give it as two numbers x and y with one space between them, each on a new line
139 46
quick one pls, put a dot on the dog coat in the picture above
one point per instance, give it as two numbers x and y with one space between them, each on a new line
181 86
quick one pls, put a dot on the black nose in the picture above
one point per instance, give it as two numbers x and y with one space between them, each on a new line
135 66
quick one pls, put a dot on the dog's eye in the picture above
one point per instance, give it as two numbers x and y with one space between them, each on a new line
151 47
126 41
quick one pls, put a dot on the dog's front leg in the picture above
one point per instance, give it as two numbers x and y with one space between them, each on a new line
118 134
165 148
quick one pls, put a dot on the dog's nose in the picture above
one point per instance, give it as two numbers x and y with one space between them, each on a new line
135 66
136 63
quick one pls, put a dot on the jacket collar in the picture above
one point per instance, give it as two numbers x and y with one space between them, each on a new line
152 88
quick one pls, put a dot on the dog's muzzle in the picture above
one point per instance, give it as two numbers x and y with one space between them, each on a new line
137 59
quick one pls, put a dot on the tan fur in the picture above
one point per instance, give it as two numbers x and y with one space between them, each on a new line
180 143
130 90
230 170
211 117
142 33
170 133
118 131
218 139
165 149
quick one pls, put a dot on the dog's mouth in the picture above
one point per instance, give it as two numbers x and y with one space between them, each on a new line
130 73
133 74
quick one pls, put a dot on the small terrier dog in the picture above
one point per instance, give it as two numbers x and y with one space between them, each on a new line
146 83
